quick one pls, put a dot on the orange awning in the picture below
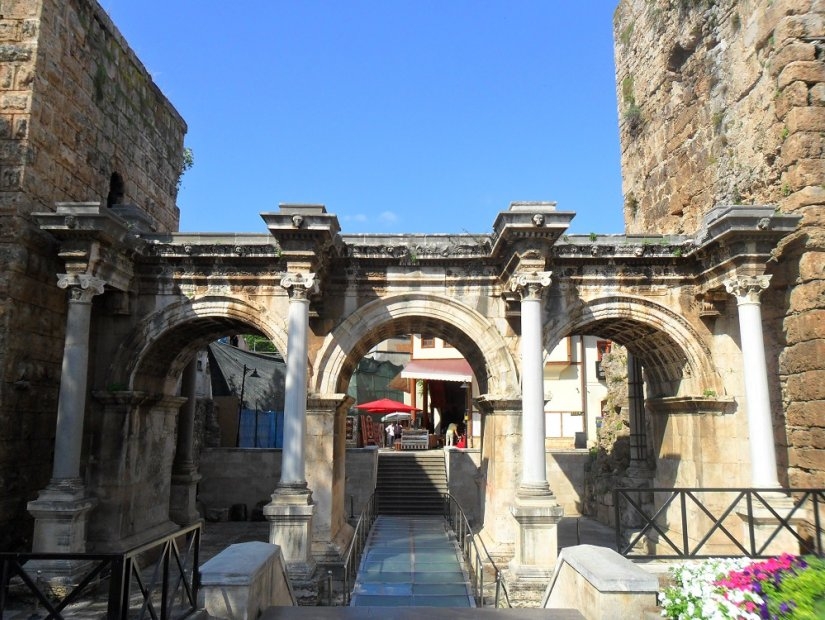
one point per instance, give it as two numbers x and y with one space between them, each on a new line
439 370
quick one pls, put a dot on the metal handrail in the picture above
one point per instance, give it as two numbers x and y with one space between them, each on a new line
172 572
675 537
352 558
475 554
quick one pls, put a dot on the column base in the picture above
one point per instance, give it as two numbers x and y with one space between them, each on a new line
183 498
61 513
764 525
290 527
537 537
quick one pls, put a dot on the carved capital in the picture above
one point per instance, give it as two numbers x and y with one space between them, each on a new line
529 285
299 285
82 286
747 289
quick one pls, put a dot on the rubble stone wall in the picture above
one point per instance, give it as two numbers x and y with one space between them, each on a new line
76 106
723 102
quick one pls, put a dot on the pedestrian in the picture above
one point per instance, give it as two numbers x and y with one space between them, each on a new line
391 435
450 438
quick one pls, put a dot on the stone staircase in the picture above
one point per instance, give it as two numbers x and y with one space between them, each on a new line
411 483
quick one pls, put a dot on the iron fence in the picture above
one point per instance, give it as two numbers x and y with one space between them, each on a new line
669 523
476 556
158 580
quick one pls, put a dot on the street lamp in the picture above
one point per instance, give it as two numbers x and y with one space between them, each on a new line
254 375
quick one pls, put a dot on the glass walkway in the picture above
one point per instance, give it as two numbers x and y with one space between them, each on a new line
411 562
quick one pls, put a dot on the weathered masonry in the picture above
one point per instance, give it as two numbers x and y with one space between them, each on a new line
141 304
80 119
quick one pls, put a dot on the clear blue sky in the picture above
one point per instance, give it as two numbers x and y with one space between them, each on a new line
398 115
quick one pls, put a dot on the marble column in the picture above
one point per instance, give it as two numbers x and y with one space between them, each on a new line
535 508
183 498
760 425
291 509
61 510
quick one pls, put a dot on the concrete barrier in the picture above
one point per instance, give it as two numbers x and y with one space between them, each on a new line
601 584
243 580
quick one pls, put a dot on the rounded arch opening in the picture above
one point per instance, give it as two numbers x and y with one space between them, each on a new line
475 337
675 359
153 357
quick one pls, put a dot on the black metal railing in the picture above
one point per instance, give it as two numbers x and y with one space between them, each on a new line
479 562
717 522
158 580
352 558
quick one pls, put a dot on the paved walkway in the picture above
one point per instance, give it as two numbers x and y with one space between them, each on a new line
411 562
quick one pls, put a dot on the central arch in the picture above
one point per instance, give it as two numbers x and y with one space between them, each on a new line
475 336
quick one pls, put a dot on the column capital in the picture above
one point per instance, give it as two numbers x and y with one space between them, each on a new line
530 284
747 289
82 286
299 285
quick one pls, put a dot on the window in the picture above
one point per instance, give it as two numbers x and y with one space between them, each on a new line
117 189
427 342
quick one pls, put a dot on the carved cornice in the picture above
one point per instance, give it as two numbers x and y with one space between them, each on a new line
692 405
212 250
412 249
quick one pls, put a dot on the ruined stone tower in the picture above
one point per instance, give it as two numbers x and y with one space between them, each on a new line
80 120
723 102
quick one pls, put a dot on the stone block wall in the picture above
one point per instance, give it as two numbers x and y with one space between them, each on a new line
76 106
724 103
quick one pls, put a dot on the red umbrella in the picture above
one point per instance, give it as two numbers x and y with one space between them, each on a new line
385 405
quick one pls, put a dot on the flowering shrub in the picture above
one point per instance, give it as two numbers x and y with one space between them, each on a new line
741 589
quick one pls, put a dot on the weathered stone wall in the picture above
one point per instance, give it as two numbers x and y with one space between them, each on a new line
724 102
76 106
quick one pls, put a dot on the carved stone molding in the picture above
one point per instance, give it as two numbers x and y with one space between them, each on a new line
299 285
530 284
747 289
82 287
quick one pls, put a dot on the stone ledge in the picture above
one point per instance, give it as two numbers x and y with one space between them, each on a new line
243 580
601 584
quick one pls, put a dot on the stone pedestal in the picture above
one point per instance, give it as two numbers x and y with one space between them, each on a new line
61 513
765 524
290 527
537 537
183 498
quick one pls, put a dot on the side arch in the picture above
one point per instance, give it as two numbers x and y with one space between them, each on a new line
475 336
677 360
153 355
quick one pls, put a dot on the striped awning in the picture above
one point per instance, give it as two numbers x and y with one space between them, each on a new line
439 370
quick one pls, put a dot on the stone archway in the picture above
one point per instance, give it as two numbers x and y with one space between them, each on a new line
475 336
135 421
677 360
153 356
481 343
